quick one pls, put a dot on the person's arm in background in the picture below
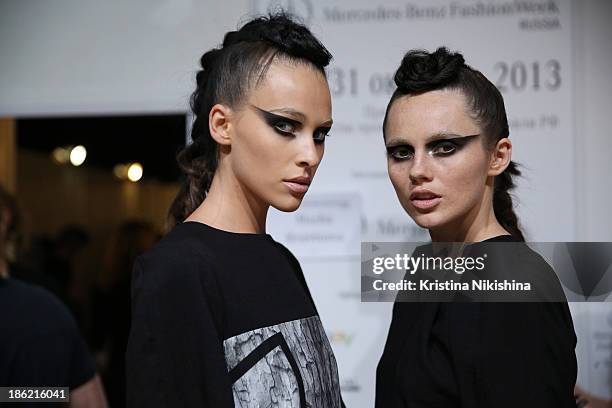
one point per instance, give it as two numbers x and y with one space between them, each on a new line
585 400
89 395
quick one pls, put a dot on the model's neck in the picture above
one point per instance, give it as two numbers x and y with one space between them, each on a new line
229 206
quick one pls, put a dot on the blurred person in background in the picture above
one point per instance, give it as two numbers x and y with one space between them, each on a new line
60 266
40 344
61 263
52 262
111 306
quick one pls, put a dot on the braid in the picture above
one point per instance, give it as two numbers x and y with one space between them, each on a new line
197 161
502 200
282 32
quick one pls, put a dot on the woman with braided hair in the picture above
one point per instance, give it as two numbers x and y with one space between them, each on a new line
221 313
449 160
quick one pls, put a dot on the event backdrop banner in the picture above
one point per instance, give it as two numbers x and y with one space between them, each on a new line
523 46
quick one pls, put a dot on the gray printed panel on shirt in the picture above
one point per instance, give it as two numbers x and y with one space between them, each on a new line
274 366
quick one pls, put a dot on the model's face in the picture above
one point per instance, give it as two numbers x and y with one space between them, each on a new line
436 162
278 135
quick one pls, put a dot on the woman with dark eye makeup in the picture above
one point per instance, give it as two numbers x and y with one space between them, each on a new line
449 160
221 313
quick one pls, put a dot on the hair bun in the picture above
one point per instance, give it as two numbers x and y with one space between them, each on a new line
234 37
284 32
274 29
209 58
421 71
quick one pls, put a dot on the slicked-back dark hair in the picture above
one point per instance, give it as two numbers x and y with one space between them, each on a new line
228 73
422 71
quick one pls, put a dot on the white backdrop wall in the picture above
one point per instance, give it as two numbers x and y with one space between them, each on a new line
64 57
593 147
83 57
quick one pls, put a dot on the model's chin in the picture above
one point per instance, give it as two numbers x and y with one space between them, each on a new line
289 204
427 220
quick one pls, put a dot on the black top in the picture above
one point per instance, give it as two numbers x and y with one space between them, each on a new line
40 344
478 354
221 318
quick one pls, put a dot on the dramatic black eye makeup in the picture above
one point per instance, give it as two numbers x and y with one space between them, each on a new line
286 126
444 146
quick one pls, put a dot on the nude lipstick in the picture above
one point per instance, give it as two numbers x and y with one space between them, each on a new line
298 185
424 199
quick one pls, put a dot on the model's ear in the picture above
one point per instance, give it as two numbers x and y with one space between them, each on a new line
219 124
500 157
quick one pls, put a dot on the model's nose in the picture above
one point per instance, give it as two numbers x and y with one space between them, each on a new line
309 154
420 169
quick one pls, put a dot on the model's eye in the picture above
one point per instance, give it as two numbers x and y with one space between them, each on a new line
284 128
320 135
400 152
282 125
444 148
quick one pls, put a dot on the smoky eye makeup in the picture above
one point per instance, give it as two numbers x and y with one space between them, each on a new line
442 147
400 151
281 124
446 147
287 127
321 134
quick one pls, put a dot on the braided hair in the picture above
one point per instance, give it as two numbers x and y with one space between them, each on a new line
228 73
421 71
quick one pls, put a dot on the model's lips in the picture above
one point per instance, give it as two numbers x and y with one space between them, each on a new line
424 199
298 185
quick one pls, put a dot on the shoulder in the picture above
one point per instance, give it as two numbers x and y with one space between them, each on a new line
39 312
175 288
181 262
517 261
297 269
535 269
183 242
41 338
288 254
182 250
543 312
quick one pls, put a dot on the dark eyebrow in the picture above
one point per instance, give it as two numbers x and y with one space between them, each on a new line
432 140
447 135
292 112
272 116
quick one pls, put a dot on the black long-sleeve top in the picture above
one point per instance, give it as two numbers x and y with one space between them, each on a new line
479 355
223 319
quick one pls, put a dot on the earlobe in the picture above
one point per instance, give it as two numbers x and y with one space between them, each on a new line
219 124
501 156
